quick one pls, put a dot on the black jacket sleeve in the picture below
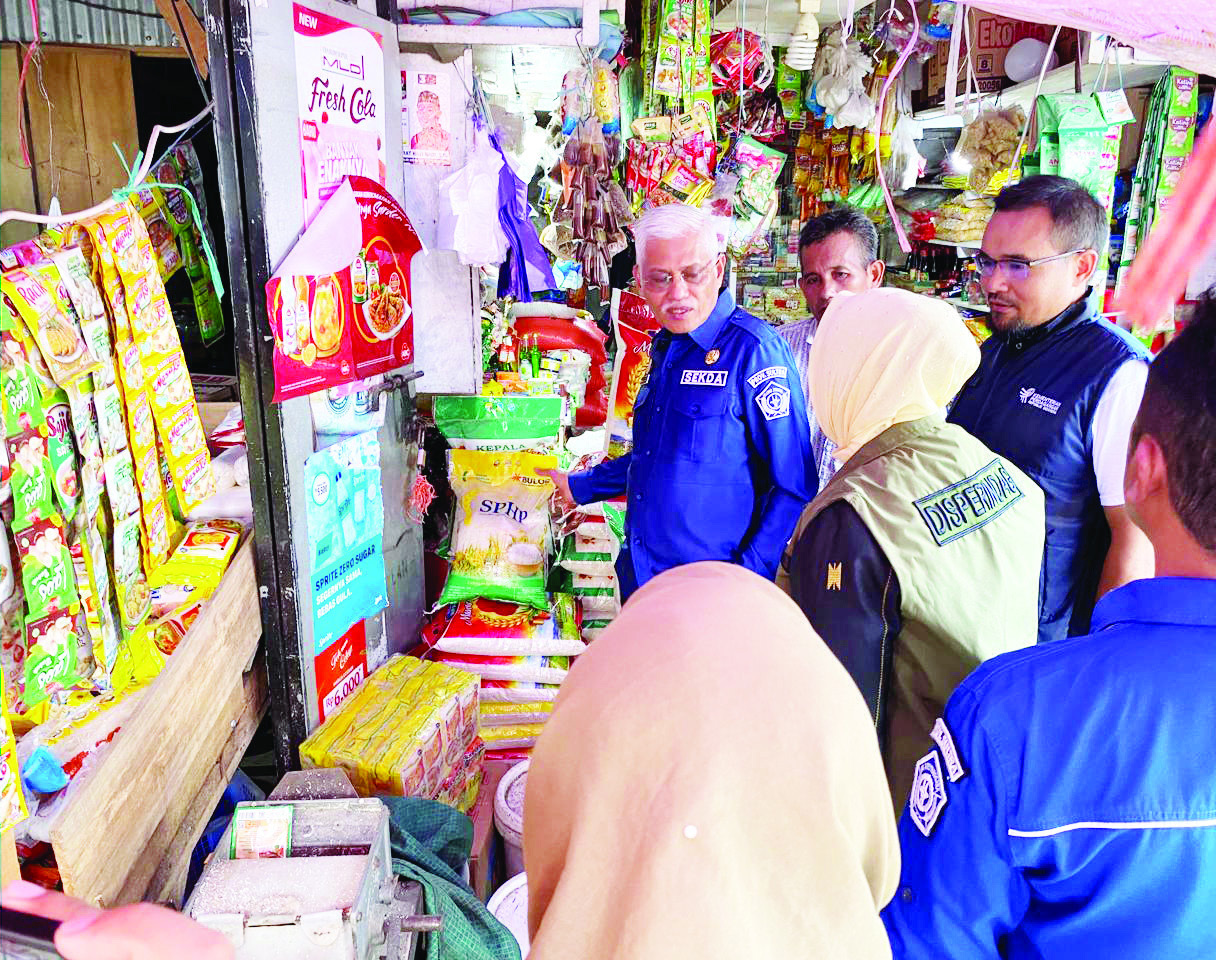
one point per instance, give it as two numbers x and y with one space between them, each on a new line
847 588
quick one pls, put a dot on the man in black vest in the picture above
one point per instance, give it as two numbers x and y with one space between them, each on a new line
1057 391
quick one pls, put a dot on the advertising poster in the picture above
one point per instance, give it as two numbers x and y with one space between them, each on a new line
340 669
426 112
345 532
339 306
340 78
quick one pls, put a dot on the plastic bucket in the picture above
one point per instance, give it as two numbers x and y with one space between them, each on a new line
510 905
509 815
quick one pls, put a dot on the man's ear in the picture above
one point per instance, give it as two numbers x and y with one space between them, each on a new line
1087 263
878 270
1146 476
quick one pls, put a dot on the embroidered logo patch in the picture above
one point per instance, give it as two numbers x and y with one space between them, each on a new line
704 378
768 373
1031 397
928 797
945 743
974 501
835 576
712 357
774 401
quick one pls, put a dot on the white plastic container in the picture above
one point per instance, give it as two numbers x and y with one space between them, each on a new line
509 815
510 905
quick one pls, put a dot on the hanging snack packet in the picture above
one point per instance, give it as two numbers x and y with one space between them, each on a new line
32 483
61 453
46 567
130 585
500 536
90 310
681 184
759 166
53 661
51 321
21 393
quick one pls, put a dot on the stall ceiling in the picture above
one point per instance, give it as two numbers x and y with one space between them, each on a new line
110 23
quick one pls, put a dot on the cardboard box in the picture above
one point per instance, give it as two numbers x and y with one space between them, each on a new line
991 37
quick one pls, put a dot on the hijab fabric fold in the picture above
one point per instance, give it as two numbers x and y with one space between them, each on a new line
709 786
884 357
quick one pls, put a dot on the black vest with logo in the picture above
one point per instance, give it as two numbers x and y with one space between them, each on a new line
1033 400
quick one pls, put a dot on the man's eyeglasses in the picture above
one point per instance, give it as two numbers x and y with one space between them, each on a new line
693 276
1016 269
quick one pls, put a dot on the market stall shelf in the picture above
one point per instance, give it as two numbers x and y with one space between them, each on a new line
150 799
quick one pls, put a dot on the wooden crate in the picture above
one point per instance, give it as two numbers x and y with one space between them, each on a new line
129 831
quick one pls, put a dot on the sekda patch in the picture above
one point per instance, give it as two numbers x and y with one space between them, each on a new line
704 378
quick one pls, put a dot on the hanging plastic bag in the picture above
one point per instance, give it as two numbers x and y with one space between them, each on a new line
467 194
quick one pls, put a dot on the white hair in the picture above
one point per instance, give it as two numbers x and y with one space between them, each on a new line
674 220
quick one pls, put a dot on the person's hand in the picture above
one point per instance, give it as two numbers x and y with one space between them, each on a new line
565 499
140 931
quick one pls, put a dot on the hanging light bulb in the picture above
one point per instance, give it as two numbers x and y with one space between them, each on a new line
800 55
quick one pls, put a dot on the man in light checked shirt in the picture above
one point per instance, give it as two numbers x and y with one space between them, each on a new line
838 252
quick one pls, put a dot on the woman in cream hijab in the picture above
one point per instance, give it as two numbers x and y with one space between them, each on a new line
709 786
921 558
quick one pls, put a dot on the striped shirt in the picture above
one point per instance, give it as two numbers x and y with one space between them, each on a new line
799 336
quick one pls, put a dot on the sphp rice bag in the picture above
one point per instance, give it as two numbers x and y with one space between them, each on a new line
501 534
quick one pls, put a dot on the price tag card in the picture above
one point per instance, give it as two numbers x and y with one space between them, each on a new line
261 831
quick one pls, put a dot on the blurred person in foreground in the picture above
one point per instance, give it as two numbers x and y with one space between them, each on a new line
139 931
921 558
837 253
720 465
1057 390
1069 810
726 801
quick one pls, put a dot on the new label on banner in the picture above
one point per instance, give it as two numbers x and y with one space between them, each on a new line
340 669
345 529
340 78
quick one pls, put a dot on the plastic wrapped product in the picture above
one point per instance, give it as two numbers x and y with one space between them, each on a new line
490 627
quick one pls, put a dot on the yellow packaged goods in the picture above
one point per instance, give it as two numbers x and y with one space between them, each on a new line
12 800
501 535
404 732
201 558
48 314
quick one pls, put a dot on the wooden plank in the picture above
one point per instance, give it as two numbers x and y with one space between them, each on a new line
189 32
162 867
168 884
145 768
59 152
107 105
16 180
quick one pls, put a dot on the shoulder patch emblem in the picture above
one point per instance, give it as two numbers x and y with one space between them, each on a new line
835 576
945 743
774 401
768 373
928 797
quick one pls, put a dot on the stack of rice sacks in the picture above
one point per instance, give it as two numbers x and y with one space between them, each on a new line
496 618
410 730
589 553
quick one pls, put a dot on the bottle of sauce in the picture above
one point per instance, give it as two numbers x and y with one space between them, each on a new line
358 279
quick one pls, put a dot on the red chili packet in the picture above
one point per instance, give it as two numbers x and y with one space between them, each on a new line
383 337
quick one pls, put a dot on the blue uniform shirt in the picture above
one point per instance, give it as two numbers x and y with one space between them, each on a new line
1069 807
721 461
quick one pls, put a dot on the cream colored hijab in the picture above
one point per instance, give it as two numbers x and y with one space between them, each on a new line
709 786
884 357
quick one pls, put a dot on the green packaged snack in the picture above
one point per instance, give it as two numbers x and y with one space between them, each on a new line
121 486
32 482
52 658
61 453
46 567
789 92
130 585
22 393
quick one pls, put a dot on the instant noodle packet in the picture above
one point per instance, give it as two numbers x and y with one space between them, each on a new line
31 481
61 452
46 567
202 557
53 662
130 585
43 305
501 535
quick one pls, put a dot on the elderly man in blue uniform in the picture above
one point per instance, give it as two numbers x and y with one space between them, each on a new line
1057 390
1068 809
721 465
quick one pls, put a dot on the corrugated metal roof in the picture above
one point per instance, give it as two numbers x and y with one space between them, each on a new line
122 23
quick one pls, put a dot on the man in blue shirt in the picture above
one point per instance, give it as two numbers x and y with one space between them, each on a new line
1068 809
721 463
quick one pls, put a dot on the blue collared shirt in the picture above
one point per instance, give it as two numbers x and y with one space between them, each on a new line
1077 816
721 464
800 336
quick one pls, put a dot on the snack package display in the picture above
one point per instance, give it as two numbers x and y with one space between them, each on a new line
500 535
490 627
47 576
404 731
42 302
988 144
201 558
